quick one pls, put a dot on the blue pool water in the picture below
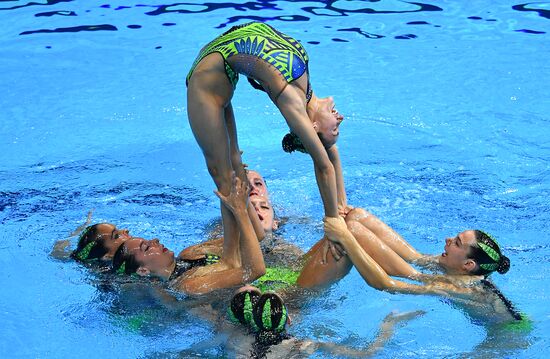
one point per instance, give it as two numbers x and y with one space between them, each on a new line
447 127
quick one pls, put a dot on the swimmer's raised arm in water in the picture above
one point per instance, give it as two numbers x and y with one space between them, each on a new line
149 258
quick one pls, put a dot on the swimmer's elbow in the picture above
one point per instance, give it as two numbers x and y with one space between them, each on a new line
324 167
255 272
386 285
260 271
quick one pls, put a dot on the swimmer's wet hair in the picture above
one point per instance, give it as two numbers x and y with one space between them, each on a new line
486 253
270 313
242 306
291 143
124 262
89 246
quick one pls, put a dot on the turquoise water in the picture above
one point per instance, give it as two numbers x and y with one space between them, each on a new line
446 128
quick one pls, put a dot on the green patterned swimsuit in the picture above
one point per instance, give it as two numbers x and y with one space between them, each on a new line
261 41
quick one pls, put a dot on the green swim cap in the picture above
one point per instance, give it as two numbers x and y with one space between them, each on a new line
84 253
270 313
242 306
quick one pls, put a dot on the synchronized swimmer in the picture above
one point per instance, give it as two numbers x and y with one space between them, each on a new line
278 65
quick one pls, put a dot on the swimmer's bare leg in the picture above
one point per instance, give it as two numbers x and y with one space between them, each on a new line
208 100
387 234
384 255
321 270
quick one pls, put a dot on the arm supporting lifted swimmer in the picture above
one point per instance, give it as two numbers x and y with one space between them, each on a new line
292 104
215 246
251 259
334 157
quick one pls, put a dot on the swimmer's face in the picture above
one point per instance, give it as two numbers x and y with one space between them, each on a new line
154 259
111 237
265 212
455 258
257 184
327 121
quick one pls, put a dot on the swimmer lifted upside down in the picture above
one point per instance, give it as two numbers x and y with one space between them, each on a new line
277 64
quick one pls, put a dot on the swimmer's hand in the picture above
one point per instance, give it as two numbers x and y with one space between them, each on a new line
335 249
237 198
336 229
80 228
396 317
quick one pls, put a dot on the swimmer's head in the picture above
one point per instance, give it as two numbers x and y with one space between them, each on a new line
99 241
257 184
145 258
473 252
242 305
265 212
270 313
326 119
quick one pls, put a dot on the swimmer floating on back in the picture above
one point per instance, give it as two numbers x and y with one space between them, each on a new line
150 258
95 242
266 317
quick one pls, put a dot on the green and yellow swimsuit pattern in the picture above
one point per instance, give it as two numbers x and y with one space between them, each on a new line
283 52
276 278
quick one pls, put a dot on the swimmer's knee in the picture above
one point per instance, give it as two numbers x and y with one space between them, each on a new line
354 226
357 213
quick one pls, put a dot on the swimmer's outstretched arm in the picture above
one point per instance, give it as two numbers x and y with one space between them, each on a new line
334 157
387 329
292 104
61 247
215 246
251 258
61 250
